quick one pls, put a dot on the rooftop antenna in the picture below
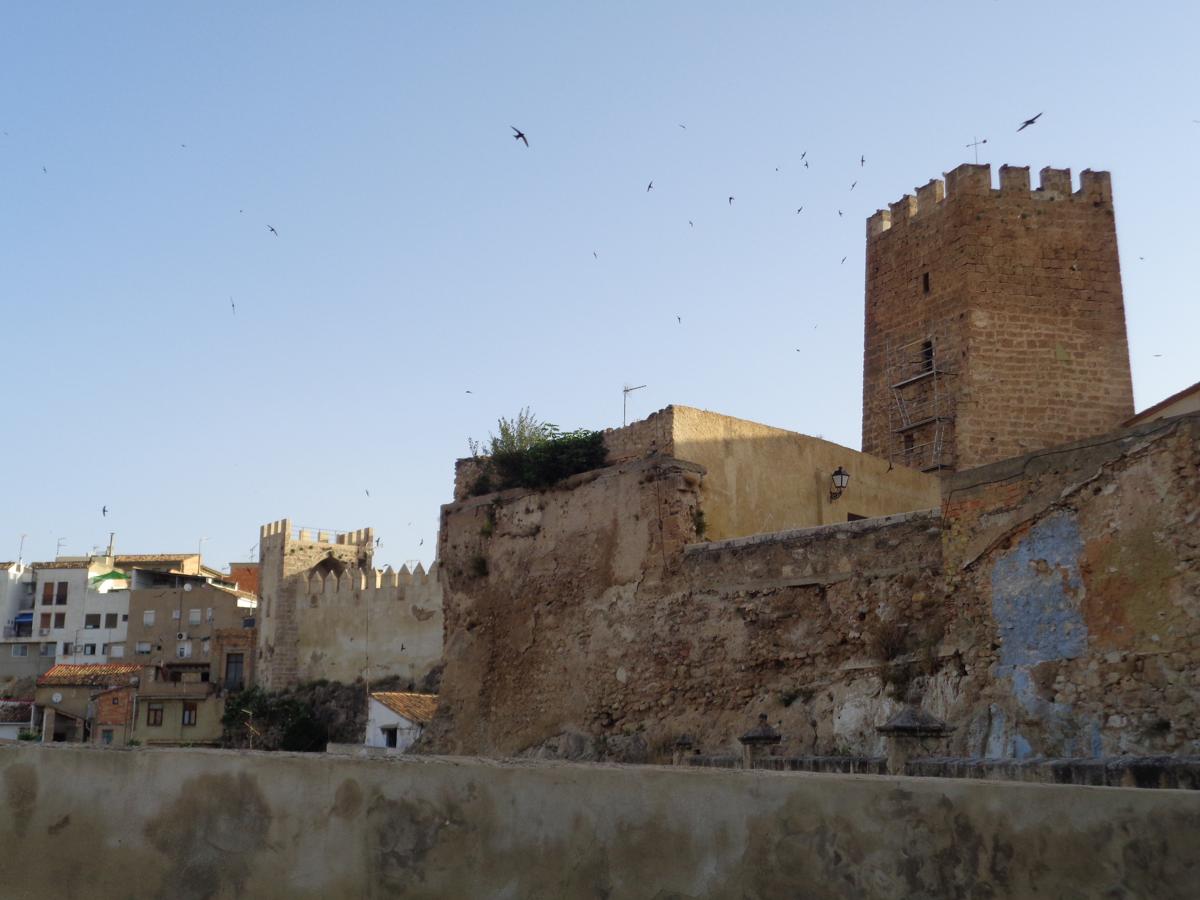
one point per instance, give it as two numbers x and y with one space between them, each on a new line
975 145
626 391
111 541
21 549
58 547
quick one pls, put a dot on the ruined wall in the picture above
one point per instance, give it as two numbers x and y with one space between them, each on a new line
208 823
1086 560
1049 610
1020 293
375 624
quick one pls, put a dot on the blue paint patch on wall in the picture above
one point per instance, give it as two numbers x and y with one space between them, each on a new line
1036 591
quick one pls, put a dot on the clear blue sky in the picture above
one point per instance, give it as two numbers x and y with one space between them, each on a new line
423 253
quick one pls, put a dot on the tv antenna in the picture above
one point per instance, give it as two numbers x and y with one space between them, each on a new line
975 146
626 391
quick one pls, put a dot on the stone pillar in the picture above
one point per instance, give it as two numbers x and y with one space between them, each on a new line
912 733
756 742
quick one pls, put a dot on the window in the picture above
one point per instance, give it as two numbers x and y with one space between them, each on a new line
189 713
154 713
60 596
66 648
175 613
193 617
45 621
47 650
20 649
60 620
91 620
854 517
89 649
148 618
205 677
124 617
47 593
925 282
142 647
233 670
116 700
106 734
175 675
209 614
248 622
389 736
184 650
104 649
110 620
204 647
116 651
927 356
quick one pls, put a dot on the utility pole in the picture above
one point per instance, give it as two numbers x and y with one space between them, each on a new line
626 391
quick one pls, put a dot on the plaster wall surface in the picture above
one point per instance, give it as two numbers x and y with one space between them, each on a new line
198 824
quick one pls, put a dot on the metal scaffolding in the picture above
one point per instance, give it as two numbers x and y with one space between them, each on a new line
921 415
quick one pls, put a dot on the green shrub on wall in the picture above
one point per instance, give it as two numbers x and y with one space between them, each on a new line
532 454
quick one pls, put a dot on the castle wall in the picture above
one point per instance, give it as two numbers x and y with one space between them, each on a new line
373 624
761 479
1024 308
1049 609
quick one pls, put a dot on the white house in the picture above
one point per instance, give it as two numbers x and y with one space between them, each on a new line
15 716
395 719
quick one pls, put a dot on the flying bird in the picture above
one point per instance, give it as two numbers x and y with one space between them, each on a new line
862 161
233 306
679 319
1029 122
596 255
804 154
843 260
852 184
684 127
365 491
422 544
44 172
650 186
468 392
839 212
690 222
806 164
731 201
104 510
184 146
800 210
377 541
519 135
271 228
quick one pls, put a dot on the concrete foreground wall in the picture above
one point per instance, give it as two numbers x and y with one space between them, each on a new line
193 824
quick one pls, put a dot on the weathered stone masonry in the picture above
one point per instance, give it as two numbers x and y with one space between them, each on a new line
1051 607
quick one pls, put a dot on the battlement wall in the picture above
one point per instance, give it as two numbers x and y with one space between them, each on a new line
368 623
282 530
970 181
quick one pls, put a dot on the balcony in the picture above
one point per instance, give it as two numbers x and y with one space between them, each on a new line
18 631
176 690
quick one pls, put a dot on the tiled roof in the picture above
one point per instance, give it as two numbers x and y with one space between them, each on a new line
417 708
97 674
62 564
7 565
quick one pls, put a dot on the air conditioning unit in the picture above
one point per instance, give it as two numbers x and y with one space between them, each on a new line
181 636
42 632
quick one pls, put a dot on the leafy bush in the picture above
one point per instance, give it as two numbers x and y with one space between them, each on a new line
532 454
26 735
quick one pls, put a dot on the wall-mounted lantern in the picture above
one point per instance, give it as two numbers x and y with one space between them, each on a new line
841 478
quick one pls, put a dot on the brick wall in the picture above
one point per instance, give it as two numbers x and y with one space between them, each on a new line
1023 305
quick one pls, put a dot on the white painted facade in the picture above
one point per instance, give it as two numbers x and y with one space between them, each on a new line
381 722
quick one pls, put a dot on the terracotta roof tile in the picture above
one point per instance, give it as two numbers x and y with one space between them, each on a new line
97 674
417 708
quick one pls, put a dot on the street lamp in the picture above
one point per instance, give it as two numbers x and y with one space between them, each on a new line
841 478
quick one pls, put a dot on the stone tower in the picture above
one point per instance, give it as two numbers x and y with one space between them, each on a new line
287 558
995 324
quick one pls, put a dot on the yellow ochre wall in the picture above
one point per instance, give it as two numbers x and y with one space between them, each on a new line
762 479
